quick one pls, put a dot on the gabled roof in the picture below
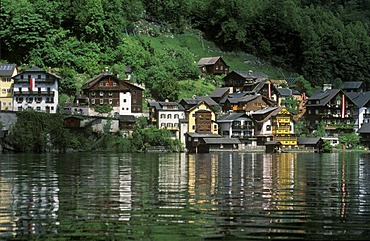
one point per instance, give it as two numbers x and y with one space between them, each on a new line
285 92
199 103
265 110
36 69
250 74
233 96
207 99
96 79
360 98
352 85
323 96
127 118
231 117
204 135
221 140
159 105
308 140
291 80
208 61
219 92
365 129
7 70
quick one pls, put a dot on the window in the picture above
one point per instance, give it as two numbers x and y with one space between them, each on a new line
93 93
101 101
39 76
101 84
268 128
316 112
106 84
114 83
93 101
176 116
3 91
4 103
30 100
169 124
215 127
19 108
110 101
193 127
163 116
38 108
124 100
163 125
101 93
110 93
169 116
22 77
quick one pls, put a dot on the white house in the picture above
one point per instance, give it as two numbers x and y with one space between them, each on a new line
36 89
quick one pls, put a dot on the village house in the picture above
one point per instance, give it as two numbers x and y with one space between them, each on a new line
240 81
334 108
237 125
247 102
166 115
364 133
107 89
353 86
36 89
283 128
213 65
361 111
220 93
7 71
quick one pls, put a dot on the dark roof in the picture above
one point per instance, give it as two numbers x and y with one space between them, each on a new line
37 69
127 118
219 92
206 99
291 80
199 135
274 143
359 98
265 110
208 61
323 96
159 105
230 117
365 128
232 96
284 91
352 85
250 74
221 140
7 70
308 140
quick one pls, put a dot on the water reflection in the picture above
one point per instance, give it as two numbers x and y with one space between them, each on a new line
179 196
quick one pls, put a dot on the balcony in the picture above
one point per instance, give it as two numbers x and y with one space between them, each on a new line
242 127
50 93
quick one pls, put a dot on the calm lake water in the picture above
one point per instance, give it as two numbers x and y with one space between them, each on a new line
229 196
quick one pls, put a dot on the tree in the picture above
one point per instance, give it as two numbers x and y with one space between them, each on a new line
291 104
349 140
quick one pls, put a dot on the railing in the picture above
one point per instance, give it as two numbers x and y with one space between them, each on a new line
243 127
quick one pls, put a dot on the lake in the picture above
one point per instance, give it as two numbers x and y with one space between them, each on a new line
228 196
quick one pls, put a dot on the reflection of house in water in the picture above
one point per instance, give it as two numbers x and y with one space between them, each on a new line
202 178
172 180
7 222
35 197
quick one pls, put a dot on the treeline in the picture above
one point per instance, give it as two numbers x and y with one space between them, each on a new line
40 132
325 41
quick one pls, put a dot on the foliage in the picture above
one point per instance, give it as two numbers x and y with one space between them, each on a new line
300 128
291 104
103 109
349 140
143 137
41 132
320 130
327 146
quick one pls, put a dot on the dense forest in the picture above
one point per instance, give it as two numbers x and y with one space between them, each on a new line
322 40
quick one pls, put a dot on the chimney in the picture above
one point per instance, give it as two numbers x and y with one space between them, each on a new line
326 87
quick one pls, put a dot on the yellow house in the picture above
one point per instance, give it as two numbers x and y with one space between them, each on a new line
283 128
201 118
7 71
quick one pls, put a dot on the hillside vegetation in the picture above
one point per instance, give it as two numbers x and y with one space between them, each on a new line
324 41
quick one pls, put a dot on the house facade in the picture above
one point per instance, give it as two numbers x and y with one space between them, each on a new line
283 128
106 89
166 115
37 89
240 81
334 108
237 125
213 65
362 109
7 71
